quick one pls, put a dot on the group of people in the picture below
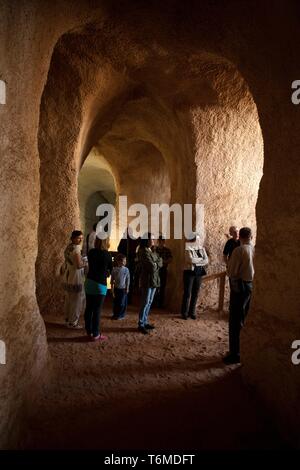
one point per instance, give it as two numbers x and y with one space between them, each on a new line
85 277
146 262
129 247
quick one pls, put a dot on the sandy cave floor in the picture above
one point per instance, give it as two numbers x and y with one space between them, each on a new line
167 390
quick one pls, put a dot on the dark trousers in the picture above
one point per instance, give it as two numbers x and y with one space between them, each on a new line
120 303
92 313
191 287
240 295
159 300
131 267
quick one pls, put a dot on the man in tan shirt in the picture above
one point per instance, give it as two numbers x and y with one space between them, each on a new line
240 272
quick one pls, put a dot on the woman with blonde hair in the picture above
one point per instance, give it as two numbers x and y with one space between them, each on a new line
100 267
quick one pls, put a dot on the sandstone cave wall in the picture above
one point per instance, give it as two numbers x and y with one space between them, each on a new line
26 45
229 161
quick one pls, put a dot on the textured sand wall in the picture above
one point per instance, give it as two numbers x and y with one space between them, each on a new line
28 32
229 160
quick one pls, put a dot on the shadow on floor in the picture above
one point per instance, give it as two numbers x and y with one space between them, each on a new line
212 416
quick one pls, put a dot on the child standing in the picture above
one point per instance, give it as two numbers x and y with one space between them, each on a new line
120 282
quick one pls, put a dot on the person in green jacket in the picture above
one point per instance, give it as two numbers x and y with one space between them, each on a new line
149 265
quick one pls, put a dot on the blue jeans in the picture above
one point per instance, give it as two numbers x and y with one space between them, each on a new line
146 301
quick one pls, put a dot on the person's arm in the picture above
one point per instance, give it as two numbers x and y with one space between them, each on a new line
158 260
147 260
190 258
78 260
112 285
109 264
203 260
197 260
112 282
127 281
226 254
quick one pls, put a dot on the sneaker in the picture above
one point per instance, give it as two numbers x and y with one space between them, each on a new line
75 326
149 327
193 317
184 317
143 330
232 359
99 338
114 317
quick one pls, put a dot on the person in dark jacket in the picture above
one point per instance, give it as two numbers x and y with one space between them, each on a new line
166 255
100 267
231 243
149 265
127 247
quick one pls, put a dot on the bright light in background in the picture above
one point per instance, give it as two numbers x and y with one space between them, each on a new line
96 185
2 352
2 92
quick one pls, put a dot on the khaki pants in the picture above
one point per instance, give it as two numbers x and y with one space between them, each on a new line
74 306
